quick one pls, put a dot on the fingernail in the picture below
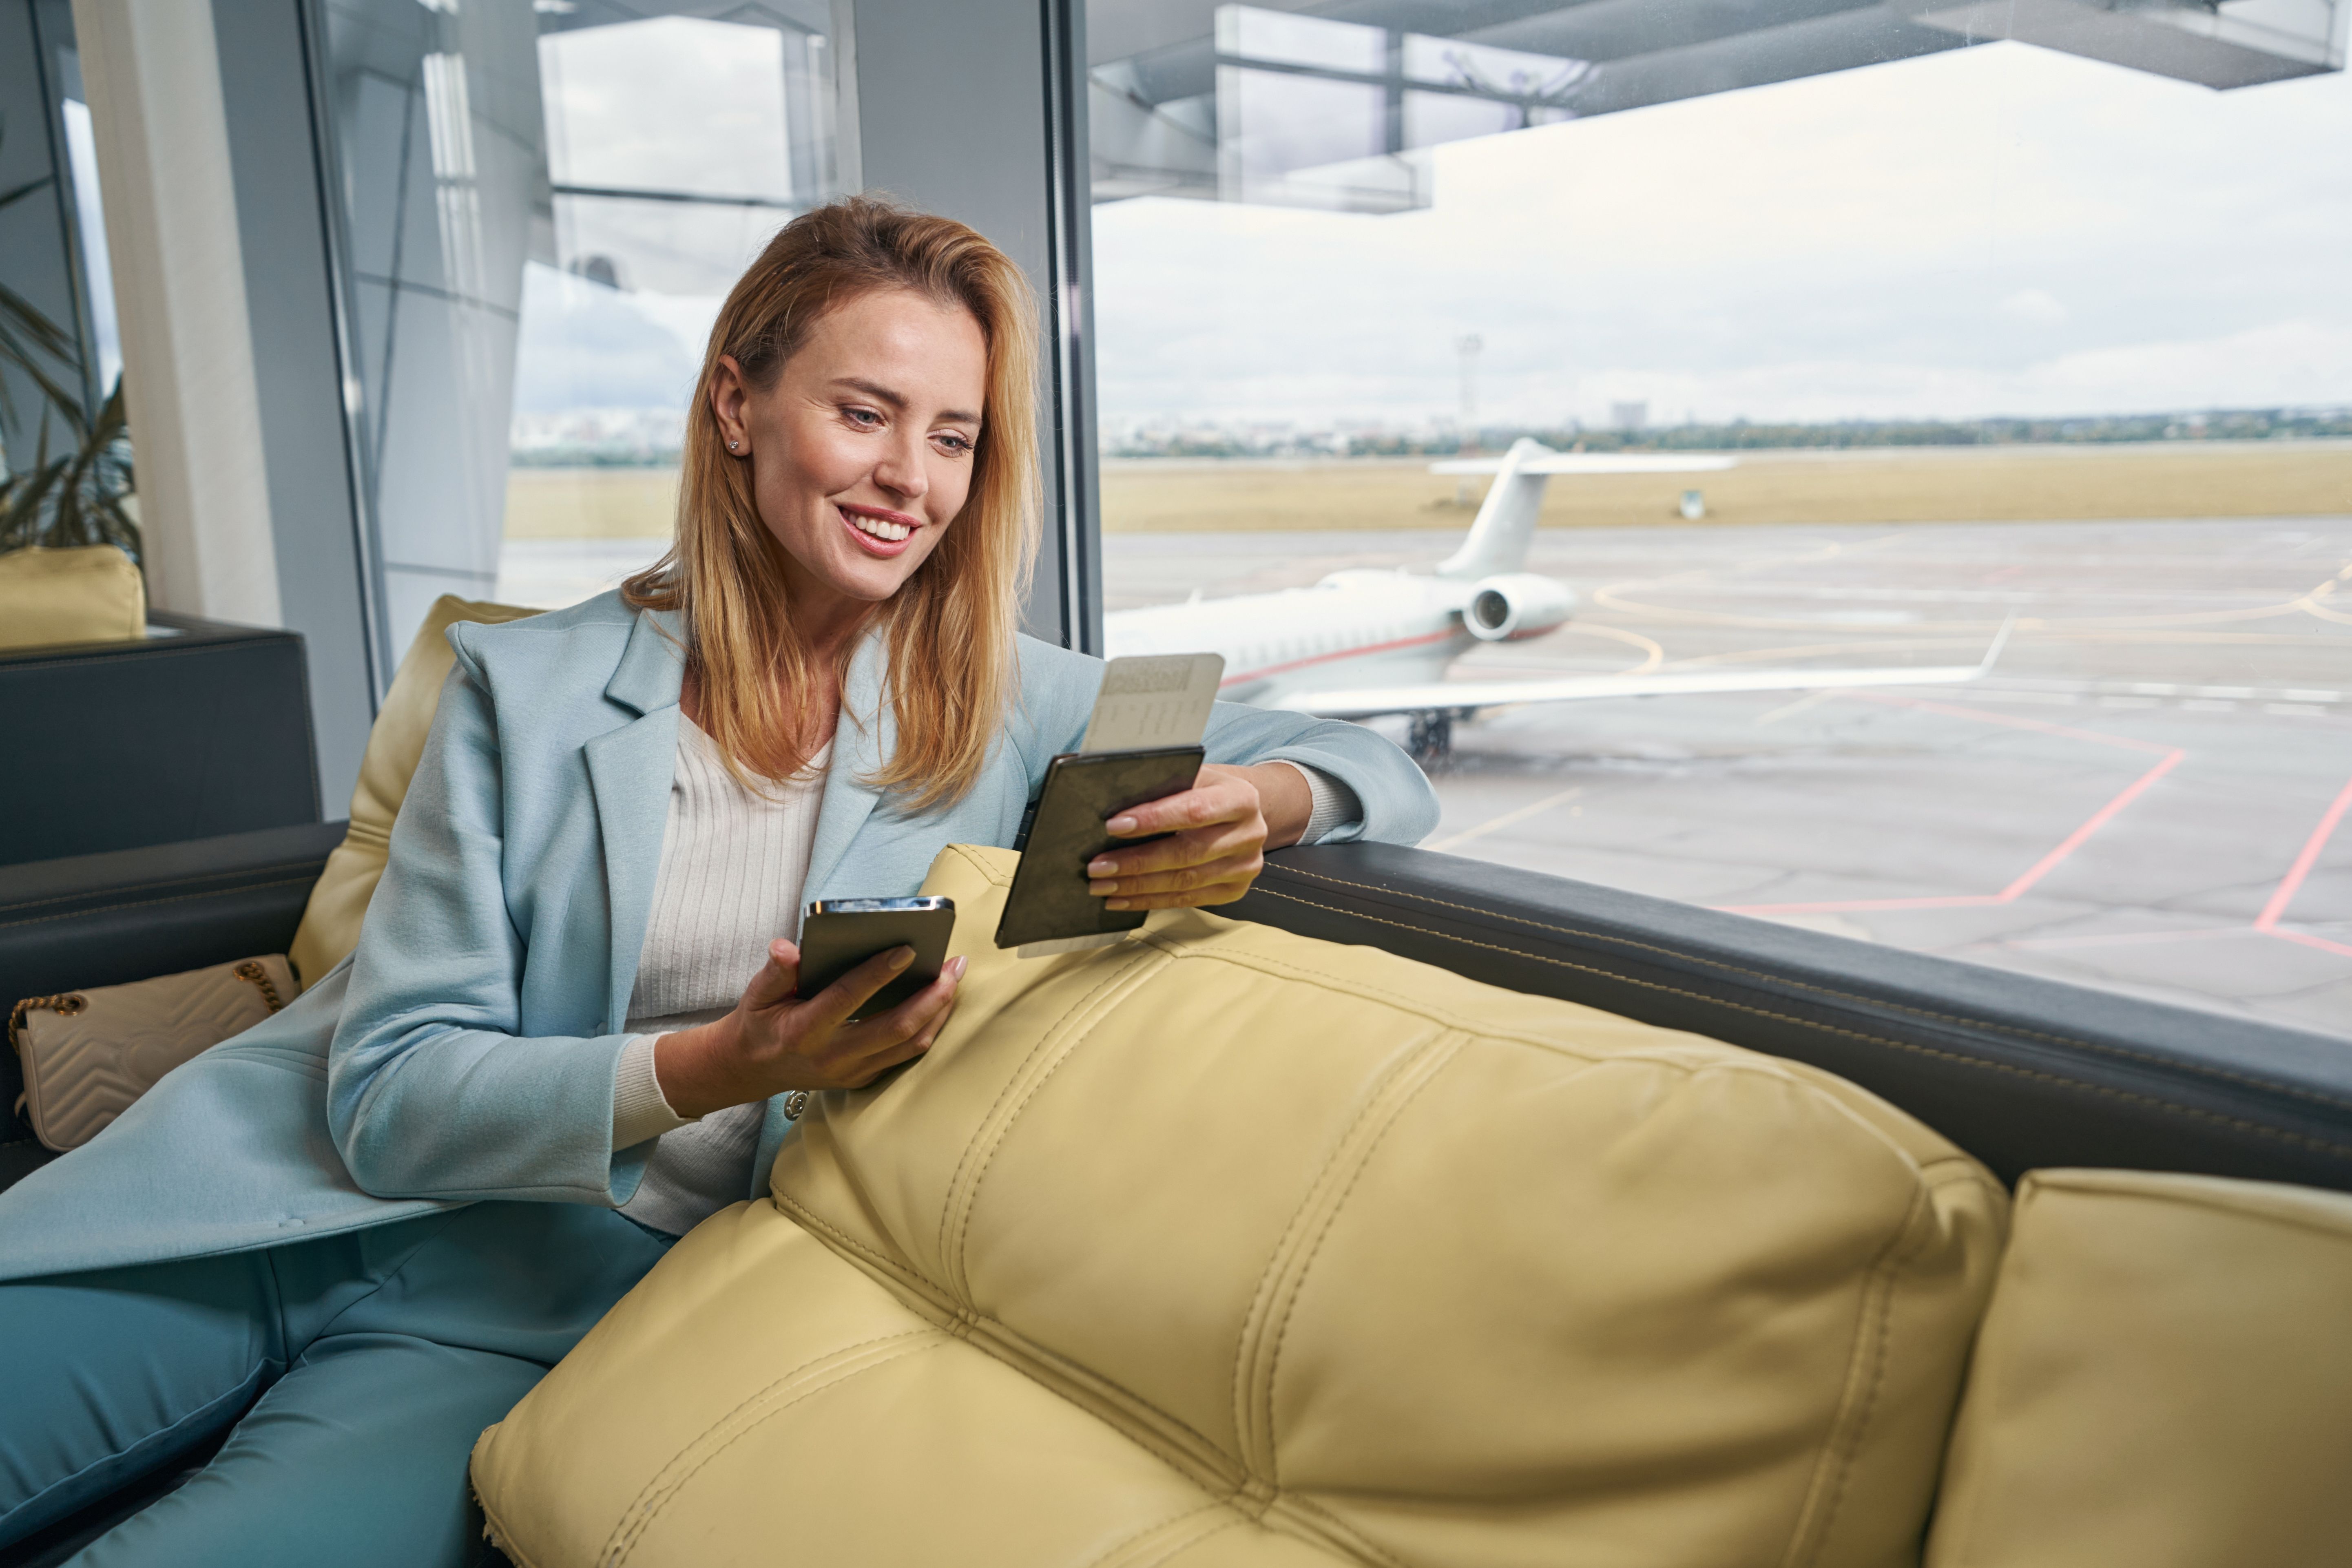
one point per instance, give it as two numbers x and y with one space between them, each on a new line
901 957
1099 889
1116 904
1102 866
1121 825
956 967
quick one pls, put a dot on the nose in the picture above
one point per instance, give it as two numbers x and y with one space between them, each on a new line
901 470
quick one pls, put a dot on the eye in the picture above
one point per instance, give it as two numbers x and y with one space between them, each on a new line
864 418
954 442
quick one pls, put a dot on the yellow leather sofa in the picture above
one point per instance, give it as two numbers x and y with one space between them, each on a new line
1231 1246
1237 1246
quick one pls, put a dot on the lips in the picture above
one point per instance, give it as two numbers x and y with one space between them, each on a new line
879 532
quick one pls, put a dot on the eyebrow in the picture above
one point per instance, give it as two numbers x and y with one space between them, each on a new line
881 393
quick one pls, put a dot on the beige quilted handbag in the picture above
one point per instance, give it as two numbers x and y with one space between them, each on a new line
88 1054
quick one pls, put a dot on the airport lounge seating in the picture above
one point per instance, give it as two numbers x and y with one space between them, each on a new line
2164 1362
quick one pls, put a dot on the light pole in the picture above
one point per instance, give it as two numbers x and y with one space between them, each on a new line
1468 346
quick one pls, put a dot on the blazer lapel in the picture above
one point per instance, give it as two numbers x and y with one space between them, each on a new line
858 750
630 769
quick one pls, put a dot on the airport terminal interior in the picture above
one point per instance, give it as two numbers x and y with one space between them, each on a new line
1846 503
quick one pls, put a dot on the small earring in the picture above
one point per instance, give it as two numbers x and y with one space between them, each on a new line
730 446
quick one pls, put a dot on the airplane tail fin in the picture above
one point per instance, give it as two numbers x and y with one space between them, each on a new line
1498 539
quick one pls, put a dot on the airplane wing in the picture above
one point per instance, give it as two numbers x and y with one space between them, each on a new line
1590 463
1462 697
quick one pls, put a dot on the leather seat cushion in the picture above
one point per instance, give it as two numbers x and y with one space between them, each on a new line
90 593
339 900
2164 1380
1226 1245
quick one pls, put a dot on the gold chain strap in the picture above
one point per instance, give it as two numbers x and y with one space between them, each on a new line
251 970
68 1003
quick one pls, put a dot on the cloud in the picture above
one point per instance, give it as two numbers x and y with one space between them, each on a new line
2036 307
1990 230
582 346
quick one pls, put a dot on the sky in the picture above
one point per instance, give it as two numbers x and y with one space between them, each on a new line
1999 230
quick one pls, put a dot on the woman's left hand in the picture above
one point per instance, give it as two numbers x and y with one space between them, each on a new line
1220 830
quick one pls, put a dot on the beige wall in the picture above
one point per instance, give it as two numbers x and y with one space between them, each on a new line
151 70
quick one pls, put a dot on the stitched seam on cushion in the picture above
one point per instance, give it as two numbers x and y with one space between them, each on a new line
493 1530
979 863
1183 1544
616 1559
613 1542
1267 1281
968 1193
1336 1527
1331 1530
1360 989
148 903
1439 1053
167 882
1126 1543
2205 1202
1847 1445
1187 1467
2128 1096
955 1182
2123 1052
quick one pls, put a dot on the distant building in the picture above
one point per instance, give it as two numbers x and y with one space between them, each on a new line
1629 416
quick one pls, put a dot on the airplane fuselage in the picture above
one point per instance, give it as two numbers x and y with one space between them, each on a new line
1353 628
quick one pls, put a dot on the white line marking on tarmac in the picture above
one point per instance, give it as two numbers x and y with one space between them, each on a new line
1508 819
1810 700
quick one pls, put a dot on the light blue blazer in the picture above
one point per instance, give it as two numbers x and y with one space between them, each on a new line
468 1050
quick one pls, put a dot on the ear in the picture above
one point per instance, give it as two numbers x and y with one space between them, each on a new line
729 399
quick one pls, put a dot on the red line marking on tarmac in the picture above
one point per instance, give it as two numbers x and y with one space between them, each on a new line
2267 922
2264 925
2017 888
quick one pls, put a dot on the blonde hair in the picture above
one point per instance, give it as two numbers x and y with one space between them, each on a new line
951 625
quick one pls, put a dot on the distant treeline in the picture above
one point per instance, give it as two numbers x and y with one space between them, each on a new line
2218 425
583 456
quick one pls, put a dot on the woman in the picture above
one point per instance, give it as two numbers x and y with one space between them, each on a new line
354 1235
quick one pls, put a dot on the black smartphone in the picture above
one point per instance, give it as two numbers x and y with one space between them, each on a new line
839 934
1049 902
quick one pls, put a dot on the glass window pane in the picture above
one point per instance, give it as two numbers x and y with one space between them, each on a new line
1848 341
543 207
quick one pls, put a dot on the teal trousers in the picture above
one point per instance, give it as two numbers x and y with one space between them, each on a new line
352 1374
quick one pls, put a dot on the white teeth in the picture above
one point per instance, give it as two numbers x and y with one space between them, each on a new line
891 531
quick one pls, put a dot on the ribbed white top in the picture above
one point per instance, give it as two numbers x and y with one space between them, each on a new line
733 860
733 863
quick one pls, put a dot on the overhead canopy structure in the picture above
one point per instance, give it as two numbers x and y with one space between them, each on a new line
1325 103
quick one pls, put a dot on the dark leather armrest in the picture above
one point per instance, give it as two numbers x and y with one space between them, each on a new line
2022 1072
128 914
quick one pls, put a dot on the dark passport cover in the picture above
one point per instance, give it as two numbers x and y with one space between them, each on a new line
1049 900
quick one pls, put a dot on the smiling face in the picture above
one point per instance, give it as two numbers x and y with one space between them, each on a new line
862 451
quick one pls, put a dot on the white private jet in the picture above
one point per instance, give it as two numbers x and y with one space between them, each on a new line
1364 643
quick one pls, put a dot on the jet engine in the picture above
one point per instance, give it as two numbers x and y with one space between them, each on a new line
1516 604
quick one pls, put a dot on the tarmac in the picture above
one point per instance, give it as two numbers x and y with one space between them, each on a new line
2147 794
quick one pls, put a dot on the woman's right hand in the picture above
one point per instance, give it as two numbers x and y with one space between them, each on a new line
776 1041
